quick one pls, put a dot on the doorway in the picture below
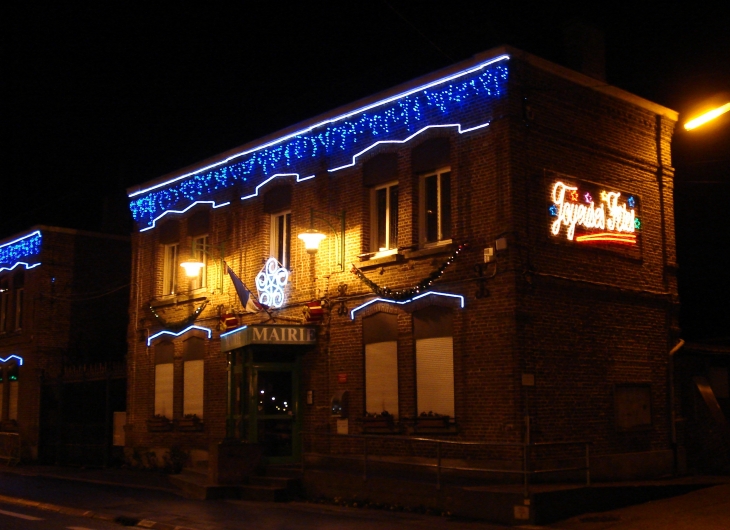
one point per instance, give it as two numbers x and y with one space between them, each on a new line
270 405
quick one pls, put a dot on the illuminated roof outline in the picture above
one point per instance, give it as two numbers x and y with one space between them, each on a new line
461 100
16 252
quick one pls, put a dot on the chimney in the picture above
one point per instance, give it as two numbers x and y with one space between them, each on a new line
585 49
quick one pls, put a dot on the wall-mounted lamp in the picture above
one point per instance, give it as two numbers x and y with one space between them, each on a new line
313 237
193 265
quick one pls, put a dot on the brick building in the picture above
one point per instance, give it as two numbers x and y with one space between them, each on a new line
498 266
63 297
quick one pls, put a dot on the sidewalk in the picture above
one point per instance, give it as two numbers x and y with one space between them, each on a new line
706 508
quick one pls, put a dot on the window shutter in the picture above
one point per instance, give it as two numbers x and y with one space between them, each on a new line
193 387
163 389
381 377
435 375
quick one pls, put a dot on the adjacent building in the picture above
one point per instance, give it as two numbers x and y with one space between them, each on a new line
63 298
498 265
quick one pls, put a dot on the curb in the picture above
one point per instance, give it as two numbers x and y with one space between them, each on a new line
78 512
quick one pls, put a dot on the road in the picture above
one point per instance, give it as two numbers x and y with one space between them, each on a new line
14 517
171 509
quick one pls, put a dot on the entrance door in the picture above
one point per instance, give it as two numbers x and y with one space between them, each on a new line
274 422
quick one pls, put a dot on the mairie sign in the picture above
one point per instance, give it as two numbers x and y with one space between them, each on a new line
271 335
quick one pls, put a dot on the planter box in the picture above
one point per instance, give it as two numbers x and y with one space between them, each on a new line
189 425
430 422
159 425
380 422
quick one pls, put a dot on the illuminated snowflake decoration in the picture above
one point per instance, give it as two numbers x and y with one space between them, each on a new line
270 283
631 202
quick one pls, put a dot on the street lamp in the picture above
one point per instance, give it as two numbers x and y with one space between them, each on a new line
193 265
707 116
312 237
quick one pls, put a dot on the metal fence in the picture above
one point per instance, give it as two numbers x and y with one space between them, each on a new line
471 456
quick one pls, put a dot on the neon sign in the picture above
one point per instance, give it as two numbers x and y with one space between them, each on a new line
588 214
270 283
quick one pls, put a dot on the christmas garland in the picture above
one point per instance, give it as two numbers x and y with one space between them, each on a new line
176 326
405 294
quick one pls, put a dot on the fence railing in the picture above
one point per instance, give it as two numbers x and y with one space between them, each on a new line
526 469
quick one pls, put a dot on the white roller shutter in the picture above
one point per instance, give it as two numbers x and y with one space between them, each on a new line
193 387
435 375
163 389
381 377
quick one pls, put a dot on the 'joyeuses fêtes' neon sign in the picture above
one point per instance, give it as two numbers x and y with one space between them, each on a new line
606 218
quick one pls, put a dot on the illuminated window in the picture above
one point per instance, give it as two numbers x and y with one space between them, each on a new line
433 332
193 371
435 207
170 265
380 335
384 208
164 359
281 238
201 280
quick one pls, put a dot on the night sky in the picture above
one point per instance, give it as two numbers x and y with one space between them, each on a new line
100 96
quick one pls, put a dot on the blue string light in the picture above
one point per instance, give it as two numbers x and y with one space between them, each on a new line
25 246
463 100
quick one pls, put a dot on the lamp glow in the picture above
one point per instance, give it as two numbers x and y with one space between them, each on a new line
311 240
192 267
707 116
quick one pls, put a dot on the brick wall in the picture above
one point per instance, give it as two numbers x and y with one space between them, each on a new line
580 320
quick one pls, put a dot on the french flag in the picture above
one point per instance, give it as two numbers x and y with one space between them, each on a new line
249 303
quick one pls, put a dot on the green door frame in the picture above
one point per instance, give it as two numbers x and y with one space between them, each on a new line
249 381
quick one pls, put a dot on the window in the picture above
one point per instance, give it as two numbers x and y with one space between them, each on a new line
435 207
434 361
193 371
169 269
13 373
281 238
633 407
201 280
9 375
380 334
384 208
19 302
164 357
4 304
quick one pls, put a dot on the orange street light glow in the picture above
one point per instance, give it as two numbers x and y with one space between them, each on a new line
707 116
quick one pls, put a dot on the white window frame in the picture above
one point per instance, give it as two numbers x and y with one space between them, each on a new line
280 246
376 222
170 266
422 214
200 243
